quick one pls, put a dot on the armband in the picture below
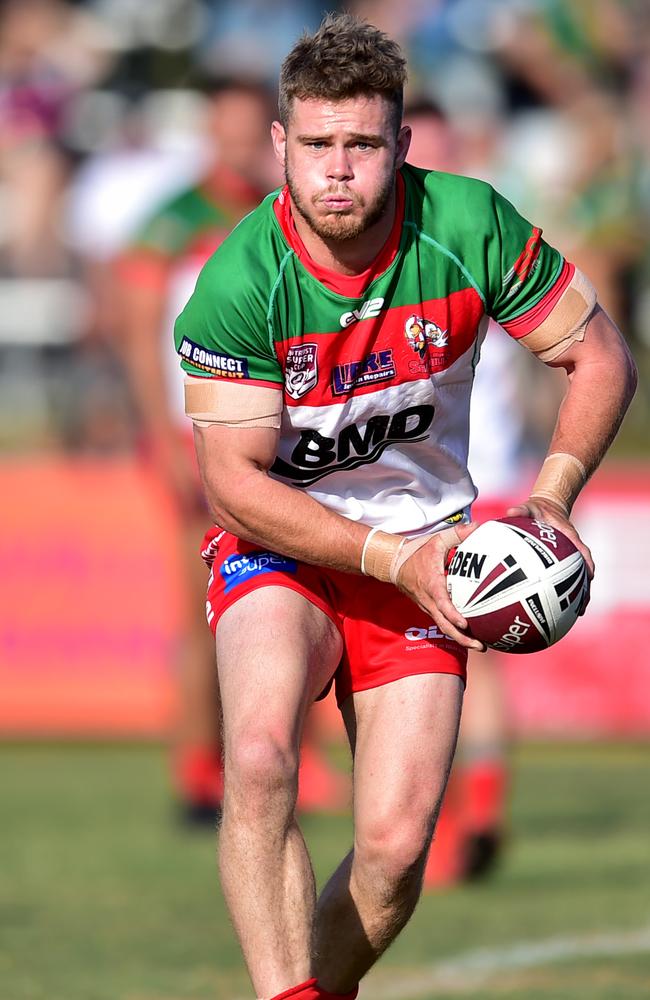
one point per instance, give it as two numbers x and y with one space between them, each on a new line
561 478
567 321
212 401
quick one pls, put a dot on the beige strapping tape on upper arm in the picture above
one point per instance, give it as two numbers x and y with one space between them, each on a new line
566 323
212 401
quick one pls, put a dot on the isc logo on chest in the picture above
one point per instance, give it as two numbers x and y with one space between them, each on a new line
368 310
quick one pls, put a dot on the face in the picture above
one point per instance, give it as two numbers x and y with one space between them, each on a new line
239 122
340 159
433 143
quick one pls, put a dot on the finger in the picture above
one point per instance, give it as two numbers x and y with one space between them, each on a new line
450 622
521 511
456 534
587 556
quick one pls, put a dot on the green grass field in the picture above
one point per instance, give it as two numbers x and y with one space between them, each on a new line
103 897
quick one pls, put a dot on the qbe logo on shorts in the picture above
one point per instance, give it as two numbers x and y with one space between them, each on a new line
239 568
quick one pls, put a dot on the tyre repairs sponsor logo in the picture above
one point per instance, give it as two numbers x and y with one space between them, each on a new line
377 367
223 365
368 310
238 569
316 456
467 564
301 370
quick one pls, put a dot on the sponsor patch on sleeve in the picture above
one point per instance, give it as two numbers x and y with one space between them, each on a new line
223 365
525 264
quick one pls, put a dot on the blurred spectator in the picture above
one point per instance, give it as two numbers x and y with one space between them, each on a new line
157 272
49 50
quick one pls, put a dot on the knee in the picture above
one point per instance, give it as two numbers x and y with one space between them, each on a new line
261 769
392 850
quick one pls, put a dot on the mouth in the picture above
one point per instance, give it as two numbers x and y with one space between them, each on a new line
337 203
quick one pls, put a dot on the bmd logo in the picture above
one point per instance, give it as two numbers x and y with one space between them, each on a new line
316 456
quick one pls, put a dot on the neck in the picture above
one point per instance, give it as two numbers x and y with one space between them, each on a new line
347 257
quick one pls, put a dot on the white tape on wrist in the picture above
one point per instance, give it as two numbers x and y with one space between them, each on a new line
380 548
560 480
405 552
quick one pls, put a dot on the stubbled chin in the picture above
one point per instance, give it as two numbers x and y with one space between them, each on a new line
346 228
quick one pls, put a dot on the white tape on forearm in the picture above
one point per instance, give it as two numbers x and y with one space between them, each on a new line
405 552
380 548
560 480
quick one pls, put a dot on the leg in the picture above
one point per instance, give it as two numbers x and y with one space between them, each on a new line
197 756
470 828
275 653
403 736
483 764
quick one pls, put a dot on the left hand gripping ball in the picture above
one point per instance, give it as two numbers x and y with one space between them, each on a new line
520 583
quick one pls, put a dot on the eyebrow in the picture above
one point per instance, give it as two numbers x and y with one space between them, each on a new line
358 136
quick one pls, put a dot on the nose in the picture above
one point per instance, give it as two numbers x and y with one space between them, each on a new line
339 164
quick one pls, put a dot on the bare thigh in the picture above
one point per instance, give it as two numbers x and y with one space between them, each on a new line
275 653
403 737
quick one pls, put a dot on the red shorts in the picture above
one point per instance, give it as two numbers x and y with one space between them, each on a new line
385 635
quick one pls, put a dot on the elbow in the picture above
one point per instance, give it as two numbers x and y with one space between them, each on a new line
630 376
228 502
633 377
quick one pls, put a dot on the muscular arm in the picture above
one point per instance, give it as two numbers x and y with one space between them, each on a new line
602 381
247 502
142 290
142 308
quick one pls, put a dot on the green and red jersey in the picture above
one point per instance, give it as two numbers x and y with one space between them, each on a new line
376 369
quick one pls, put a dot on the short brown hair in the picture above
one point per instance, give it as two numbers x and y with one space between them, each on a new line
344 58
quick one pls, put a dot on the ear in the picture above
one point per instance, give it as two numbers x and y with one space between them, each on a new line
279 140
403 143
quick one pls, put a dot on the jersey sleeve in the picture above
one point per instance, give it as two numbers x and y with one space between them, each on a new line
223 330
147 260
526 275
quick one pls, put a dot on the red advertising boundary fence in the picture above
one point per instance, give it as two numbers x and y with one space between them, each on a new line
91 607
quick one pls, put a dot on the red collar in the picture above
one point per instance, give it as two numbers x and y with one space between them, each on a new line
352 286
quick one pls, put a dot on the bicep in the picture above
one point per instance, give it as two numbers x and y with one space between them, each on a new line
226 454
602 345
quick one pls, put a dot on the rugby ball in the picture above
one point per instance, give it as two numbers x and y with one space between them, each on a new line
519 582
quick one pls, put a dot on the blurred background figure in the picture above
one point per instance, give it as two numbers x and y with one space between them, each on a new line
156 273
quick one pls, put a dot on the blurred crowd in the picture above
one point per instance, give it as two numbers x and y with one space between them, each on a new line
106 109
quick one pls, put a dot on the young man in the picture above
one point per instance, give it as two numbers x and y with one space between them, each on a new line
330 347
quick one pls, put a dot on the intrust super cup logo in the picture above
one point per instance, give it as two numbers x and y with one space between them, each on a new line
301 370
422 333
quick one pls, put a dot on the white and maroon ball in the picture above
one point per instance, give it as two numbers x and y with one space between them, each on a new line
519 582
